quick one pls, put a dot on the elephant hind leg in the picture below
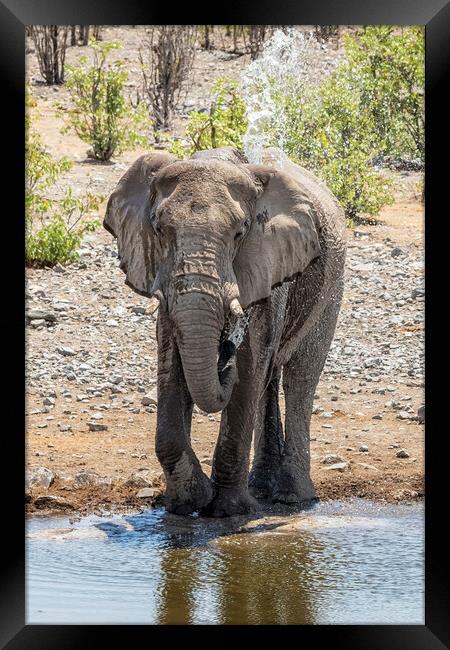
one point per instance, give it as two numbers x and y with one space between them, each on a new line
300 378
269 441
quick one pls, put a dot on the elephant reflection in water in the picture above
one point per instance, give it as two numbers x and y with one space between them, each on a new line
240 580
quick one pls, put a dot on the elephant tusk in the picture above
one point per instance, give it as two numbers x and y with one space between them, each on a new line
236 308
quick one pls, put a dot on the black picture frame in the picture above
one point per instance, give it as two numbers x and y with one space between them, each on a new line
14 16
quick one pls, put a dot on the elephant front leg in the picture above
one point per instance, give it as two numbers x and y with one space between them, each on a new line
188 489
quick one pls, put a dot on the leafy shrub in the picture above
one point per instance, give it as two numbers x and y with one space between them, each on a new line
390 69
316 115
328 134
223 125
101 116
53 228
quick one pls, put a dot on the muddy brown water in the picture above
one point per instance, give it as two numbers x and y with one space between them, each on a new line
351 562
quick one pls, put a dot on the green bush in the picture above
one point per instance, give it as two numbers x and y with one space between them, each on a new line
54 228
325 131
223 125
390 68
101 115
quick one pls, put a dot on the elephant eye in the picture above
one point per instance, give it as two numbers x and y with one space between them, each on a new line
154 223
245 226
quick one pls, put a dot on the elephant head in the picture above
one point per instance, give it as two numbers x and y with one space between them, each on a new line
209 236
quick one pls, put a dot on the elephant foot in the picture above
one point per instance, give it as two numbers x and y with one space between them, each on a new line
261 482
228 502
188 489
294 488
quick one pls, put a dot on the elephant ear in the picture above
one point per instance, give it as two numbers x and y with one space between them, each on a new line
282 239
128 219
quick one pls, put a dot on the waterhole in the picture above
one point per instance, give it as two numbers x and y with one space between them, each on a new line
347 562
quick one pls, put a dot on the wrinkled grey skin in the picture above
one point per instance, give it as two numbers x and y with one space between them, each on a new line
208 236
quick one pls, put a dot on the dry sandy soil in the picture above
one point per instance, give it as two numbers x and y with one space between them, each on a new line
363 417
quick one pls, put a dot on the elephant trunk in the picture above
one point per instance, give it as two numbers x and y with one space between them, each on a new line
209 367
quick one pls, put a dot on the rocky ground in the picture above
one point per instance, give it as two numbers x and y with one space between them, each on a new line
91 355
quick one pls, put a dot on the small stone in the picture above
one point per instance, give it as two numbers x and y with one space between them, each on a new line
49 401
402 453
377 416
150 400
339 467
206 461
139 480
36 324
40 314
369 467
64 427
40 477
364 448
137 309
66 352
85 479
404 415
331 459
397 252
95 426
52 501
146 493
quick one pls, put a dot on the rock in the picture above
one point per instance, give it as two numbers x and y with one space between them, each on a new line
96 426
397 252
403 415
150 399
137 309
86 479
421 414
146 493
369 467
64 427
49 401
52 501
39 314
66 352
36 324
363 448
331 459
402 453
206 461
140 479
40 477
339 467
377 416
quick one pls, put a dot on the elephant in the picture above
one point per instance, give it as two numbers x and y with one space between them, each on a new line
246 264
